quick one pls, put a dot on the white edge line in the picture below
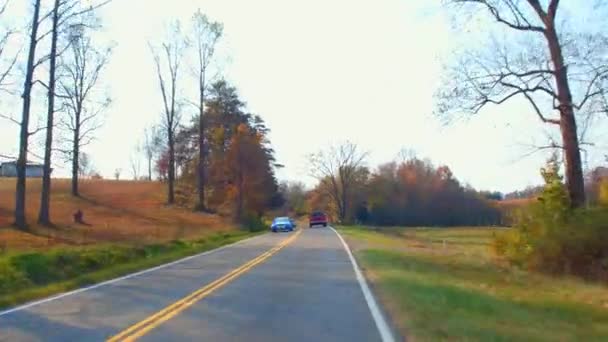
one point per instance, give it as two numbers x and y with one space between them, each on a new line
385 331
111 281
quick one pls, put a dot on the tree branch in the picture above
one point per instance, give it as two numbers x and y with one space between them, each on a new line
538 112
496 14
36 130
11 119
552 11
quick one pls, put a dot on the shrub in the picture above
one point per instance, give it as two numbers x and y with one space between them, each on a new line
253 222
603 193
551 237
10 278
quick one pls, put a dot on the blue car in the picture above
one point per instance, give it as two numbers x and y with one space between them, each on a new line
282 224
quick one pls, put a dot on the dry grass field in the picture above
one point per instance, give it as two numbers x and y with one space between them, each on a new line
115 212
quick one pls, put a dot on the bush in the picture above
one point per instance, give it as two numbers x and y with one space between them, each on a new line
551 237
10 278
254 223
603 193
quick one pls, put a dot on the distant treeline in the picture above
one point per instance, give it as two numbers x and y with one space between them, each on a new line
413 192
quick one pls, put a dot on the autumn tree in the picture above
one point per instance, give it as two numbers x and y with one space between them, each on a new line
338 167
239 160
558 72
413 192
167 59
248 172
206 34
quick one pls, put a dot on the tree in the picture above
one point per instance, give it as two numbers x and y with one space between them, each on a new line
81 67
337 169
45 194
63 11
413 192
547 69
239 161
85 166
20 220
294 194
250 177
206 35
134 162
151 146
167 58
5 36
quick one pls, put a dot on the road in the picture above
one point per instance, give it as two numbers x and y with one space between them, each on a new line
275 287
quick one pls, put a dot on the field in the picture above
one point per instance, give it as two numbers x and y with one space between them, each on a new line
445 284
115 212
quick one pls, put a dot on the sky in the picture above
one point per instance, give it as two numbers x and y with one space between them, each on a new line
319 73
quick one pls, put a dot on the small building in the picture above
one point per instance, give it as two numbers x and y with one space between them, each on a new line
9 169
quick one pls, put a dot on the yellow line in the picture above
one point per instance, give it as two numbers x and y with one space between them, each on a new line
141 328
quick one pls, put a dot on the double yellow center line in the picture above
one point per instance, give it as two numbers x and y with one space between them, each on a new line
140 329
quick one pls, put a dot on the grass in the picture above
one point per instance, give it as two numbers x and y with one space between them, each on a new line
31 275
117 212
444 284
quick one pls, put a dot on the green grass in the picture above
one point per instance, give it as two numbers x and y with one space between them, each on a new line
28 276
444 284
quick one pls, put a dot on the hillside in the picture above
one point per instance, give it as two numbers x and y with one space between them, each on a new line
115 211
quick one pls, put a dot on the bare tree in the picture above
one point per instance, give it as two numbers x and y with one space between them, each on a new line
82 66
63 11
206 35
45 194
545 69
20 220
150 146
135 162
85 165
336 169
167 58
5 37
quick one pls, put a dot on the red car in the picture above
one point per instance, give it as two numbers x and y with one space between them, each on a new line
317 218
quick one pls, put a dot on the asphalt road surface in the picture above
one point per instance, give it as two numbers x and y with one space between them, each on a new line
297 286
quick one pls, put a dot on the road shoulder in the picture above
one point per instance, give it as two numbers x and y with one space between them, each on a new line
383 317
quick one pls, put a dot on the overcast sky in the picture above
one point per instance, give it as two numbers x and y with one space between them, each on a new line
318 72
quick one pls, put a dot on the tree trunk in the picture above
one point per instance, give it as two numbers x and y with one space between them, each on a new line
76 156
239 202
149 168
574 173
200 206
20 220
574 170
44 216
171 185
